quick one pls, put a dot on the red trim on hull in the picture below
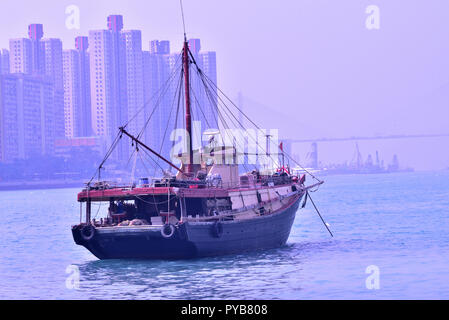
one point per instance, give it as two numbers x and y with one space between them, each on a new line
104 195
121 193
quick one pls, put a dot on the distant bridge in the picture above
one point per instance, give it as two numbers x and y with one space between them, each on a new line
401 136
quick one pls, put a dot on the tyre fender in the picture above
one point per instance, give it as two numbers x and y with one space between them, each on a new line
88 232
168 231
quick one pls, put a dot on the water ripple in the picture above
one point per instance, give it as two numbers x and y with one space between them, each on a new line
382 220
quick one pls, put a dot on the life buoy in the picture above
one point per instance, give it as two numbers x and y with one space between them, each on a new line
167 231
88 232
217 229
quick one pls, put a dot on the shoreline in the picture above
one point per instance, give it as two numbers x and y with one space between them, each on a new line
44 184
61 184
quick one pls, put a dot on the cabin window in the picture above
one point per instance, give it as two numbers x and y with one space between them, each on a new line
144 208
195 206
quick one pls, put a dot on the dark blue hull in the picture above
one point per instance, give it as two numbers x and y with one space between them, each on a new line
192 240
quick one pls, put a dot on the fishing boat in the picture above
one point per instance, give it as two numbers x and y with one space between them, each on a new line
207 207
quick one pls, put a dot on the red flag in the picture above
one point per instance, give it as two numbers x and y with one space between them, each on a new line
281 146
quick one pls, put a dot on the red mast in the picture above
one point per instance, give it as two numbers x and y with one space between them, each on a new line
186 62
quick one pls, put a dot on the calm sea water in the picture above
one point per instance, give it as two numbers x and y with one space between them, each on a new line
398 223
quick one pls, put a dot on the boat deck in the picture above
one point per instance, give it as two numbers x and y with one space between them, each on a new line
128 193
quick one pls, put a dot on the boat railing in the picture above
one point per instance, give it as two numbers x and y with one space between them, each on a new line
105 185
192 184
249 211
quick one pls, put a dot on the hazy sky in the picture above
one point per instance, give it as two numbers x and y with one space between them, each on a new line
314 60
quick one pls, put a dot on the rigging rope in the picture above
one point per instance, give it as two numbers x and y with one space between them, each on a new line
216 98
162 90
108 153
169 118
167 87
238 109
226 113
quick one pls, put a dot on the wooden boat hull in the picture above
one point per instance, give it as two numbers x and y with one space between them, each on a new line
192 239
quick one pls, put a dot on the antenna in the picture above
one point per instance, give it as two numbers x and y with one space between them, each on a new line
183 22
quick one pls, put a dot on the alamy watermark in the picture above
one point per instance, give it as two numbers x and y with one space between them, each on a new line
372 22
227 146
72 20
73 280
372 282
